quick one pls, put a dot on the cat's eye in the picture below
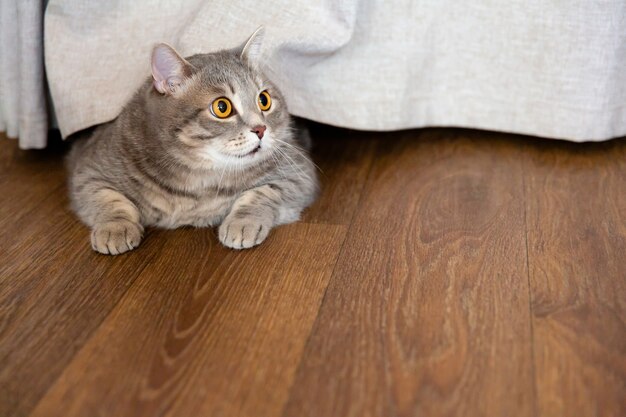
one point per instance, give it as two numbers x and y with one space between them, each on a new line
221 108
265 101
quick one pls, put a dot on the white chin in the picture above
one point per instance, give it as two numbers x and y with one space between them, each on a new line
221 160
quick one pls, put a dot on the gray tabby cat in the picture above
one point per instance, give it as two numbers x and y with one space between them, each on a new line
206 141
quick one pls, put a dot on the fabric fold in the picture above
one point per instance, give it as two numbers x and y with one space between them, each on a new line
550 69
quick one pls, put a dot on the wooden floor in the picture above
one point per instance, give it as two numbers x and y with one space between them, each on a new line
442 272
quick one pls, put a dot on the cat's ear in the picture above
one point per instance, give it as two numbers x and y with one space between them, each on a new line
169 69
251 49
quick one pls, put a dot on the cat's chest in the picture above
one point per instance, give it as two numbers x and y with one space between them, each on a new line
205 201
175 211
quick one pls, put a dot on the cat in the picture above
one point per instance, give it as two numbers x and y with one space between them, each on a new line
206 141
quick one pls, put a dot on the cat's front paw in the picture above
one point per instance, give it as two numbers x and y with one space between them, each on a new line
113 238
243 233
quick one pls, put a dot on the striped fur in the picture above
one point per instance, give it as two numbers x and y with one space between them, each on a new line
167 162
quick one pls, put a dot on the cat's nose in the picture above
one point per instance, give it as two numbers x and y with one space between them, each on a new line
259 130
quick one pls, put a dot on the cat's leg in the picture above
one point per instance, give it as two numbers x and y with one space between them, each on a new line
280 201
114 220
251 218
258 210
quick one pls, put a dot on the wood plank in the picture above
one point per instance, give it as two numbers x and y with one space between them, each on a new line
54 292
427 312
27 178
33 288
576 210
8 149
204 330
344 158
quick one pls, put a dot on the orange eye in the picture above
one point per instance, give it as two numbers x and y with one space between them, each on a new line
265 101
221 108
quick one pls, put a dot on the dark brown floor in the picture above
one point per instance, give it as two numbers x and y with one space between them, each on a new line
442 272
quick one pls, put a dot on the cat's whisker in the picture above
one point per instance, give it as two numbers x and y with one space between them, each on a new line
278 167
294 165
292 161
298 171
301 151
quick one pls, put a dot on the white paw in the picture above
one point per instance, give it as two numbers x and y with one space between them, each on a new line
113 238
243 233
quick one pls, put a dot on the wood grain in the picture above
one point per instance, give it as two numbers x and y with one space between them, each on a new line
577 255
27 178
52 300
54 291
442 272
9 150
427 312
204 330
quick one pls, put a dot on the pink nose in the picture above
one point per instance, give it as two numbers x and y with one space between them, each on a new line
259 130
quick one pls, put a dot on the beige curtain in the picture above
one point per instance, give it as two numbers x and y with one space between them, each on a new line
550 68
23 110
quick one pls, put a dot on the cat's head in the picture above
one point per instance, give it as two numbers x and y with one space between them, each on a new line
219 108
